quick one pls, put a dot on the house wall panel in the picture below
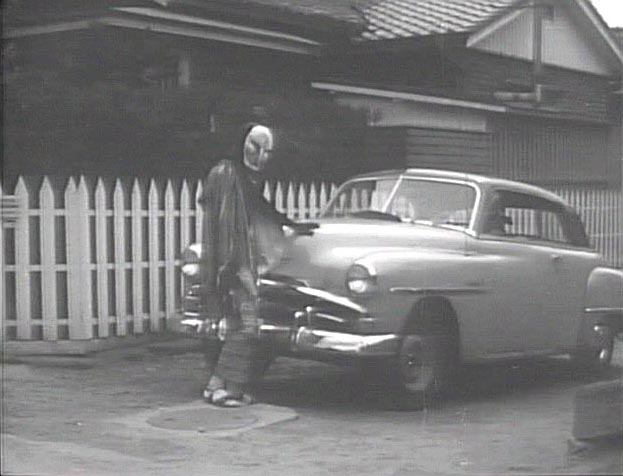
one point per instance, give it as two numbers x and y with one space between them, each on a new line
566 43
577 95
550 152
451 150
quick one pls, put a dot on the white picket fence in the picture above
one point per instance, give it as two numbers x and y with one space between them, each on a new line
83 261
93 262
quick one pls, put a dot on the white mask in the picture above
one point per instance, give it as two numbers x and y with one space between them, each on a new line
258 145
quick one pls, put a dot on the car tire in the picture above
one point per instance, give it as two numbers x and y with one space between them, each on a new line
597 357
424 370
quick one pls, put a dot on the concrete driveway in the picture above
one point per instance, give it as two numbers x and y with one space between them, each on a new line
135 411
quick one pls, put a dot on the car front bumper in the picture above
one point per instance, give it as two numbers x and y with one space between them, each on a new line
314 323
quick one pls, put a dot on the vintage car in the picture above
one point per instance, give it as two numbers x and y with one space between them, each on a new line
421 271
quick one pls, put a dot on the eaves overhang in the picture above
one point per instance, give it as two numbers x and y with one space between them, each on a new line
405 96
159 21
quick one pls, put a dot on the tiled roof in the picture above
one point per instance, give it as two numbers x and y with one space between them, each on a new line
338 9
393 19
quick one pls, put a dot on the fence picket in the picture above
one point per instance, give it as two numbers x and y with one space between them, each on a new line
185 230
23 302
3 292
266 192
82 326
138 290
169 250
198 211
154 256
290 203
313 201
302 202
101 260
47 238
119 255
279 198
323 195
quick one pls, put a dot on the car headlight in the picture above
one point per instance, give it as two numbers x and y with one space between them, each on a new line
361 279
190 261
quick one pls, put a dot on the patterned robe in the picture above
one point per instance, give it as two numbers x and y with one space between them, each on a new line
241 235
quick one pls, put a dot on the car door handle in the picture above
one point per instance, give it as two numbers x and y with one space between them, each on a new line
556 258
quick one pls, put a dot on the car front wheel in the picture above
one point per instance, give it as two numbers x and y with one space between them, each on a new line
598 356
425 369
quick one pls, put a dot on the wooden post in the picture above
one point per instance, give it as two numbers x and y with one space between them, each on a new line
138 289
47 241
119 257
101 259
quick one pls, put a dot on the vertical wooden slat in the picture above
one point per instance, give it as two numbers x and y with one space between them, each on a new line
185 228
73 258
184 216
302 202
3 293
138 289
154 256
78 278
22 263
119 254
323 195
290 203
313 201
266 192
169 250
198 212
101 259
279 198
47 235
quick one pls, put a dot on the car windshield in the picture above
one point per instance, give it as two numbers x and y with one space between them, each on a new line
405 199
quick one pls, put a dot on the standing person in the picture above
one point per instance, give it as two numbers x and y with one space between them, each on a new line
241 237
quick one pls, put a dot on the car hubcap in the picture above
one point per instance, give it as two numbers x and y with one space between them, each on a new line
416 375
604 354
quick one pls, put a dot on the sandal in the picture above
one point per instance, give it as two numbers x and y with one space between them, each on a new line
225 399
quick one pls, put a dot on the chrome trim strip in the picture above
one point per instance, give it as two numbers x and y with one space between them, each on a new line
332 298
603 310
314 340
328 317
271 328
465 290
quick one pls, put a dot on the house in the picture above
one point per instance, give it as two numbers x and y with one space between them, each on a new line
520 89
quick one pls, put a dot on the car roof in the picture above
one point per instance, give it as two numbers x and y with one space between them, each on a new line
482 181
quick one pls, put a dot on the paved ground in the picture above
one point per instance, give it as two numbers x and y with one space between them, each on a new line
136 412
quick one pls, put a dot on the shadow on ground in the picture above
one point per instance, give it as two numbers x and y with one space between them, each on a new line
321 386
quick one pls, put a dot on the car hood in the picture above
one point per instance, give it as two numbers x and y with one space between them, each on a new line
321 258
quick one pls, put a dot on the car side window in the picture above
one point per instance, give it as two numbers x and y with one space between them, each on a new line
526 217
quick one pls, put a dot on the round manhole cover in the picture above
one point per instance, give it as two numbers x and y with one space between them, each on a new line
203 419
